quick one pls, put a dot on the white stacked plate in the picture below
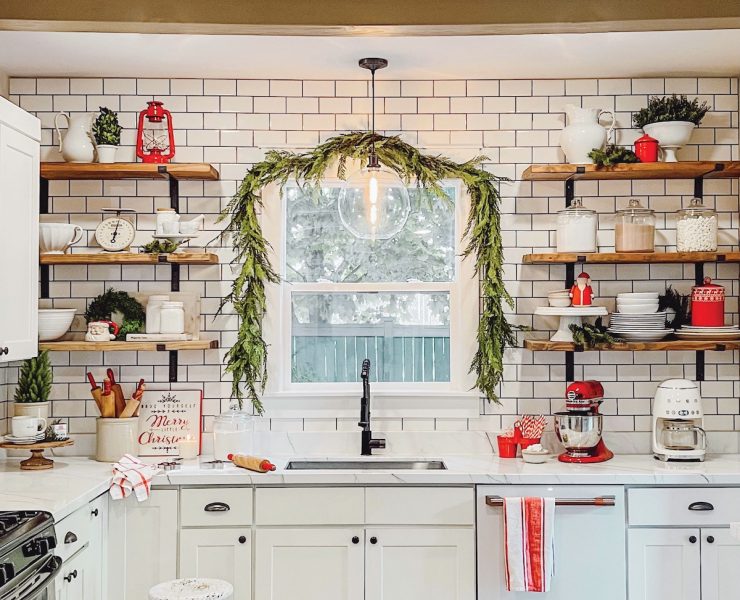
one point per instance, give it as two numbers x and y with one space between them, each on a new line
649 327
637 302
726 333
31 439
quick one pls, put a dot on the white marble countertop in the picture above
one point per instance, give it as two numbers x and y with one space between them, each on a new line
75 481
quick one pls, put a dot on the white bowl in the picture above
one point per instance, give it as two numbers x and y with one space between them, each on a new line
559 302
638 309
54 322
535 458
559 293
627 301
636 295
55 238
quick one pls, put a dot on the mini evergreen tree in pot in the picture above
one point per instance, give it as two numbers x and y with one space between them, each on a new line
34 387
107 133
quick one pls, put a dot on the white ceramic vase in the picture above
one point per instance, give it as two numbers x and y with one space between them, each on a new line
76 145
106 153
116 437
671 135
31 409
584 133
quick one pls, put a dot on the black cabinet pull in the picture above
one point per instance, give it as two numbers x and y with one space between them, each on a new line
242 539
692 539
70 538
5 350
373 540
217 507
71 576
355 540
94 512
701 506
710 539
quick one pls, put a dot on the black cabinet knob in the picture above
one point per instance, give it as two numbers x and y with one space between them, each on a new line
4 350
355 540
242 539
71 576
692 539
710 539
94 512
373 540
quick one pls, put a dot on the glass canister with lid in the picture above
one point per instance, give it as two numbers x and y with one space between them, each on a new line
576 229
635 228
233 433
696 228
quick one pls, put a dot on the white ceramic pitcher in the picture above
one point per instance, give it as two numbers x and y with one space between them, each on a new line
76 145
584 133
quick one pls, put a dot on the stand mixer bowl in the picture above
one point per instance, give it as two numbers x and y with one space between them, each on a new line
578 433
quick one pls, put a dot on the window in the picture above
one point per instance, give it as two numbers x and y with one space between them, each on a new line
409 304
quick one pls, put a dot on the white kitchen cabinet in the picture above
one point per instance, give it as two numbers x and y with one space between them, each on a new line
73 582
664 564
142 544
19 232
595 534
720 565
420 563
317 563
220 554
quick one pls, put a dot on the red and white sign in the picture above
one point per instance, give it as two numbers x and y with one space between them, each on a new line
166 417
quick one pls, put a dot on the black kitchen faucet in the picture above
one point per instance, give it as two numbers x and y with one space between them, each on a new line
368 443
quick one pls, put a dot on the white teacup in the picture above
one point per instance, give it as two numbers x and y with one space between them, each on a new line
27 426
55 238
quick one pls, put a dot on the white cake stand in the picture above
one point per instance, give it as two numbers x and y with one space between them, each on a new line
573 315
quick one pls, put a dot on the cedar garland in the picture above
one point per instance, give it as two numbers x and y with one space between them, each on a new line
246 360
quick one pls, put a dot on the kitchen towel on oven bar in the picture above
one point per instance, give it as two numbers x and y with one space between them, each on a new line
529 543
132 475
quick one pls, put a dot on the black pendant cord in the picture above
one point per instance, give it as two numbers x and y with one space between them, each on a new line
373 64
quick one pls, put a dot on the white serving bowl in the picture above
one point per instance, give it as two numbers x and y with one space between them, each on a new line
636 295
55 238
638 309
559 293
54 322
558 302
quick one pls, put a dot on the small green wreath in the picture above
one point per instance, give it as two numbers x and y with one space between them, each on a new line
102 308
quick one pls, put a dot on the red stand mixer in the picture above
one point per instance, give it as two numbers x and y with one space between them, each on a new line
579 427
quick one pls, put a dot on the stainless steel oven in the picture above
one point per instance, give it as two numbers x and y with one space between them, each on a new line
39 585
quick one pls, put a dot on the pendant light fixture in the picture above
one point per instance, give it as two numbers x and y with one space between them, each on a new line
374 202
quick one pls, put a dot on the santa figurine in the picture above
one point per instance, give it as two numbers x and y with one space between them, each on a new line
581 293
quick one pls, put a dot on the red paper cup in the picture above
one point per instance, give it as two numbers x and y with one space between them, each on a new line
526 442
506 446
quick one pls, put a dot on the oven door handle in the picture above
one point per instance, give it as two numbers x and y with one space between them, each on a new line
52 568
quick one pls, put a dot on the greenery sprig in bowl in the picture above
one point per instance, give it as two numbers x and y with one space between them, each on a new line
670 108
612 155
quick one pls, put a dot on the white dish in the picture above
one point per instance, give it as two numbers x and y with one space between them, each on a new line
558 302
54 322
700 329
643 336
559 294
641 309
535 458
709 337
56 238
175 237
636 295
631 301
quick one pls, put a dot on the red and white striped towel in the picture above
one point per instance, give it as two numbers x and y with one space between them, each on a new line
132 475
529 543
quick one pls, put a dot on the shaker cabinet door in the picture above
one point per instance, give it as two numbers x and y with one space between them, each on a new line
664 564
720 565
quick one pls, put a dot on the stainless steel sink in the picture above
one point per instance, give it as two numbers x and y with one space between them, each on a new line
365 465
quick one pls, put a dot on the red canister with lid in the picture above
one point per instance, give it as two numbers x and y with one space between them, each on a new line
646 149
708 304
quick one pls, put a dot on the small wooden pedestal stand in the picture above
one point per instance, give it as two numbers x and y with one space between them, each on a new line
37 462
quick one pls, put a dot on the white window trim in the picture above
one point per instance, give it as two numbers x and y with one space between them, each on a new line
284 399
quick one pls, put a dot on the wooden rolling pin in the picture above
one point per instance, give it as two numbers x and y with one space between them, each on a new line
107 401
117 393
96 392
251 463
133 404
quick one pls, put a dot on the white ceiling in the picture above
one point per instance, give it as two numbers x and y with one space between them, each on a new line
631 54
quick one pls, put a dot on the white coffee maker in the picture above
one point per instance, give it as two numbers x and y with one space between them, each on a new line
677 422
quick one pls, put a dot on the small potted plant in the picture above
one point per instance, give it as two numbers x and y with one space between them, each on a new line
107 133
34 387
670 120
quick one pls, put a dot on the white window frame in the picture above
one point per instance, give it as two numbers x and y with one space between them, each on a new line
286 399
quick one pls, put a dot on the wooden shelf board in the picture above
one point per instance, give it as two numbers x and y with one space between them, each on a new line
693 345
63 170
129 258
630 257
658 170
83 346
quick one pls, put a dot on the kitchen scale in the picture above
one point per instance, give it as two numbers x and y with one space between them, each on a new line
117 232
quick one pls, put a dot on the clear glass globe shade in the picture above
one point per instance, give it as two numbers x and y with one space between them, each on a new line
374 204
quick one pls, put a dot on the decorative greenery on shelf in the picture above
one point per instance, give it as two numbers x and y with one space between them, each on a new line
677 303
589 336
612 155
106 129
670 108
111 301
246 360
160 247
35 379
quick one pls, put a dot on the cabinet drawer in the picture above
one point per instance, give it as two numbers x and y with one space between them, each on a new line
77 530
220 506
420 506
310 506
683 506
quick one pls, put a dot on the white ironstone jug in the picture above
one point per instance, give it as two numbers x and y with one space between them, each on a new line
584 133
76 145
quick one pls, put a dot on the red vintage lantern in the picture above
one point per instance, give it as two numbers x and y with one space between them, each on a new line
154 143
708 304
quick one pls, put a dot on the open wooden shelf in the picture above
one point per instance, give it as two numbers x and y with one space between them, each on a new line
690 345
129 258
606 258
657 170
83 346
184 171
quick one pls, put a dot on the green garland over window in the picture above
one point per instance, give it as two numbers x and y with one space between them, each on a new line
246 361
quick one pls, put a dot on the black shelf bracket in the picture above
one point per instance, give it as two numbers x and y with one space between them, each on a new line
44 272
173 366
174 188
570 191
570 367
174 272
700 365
